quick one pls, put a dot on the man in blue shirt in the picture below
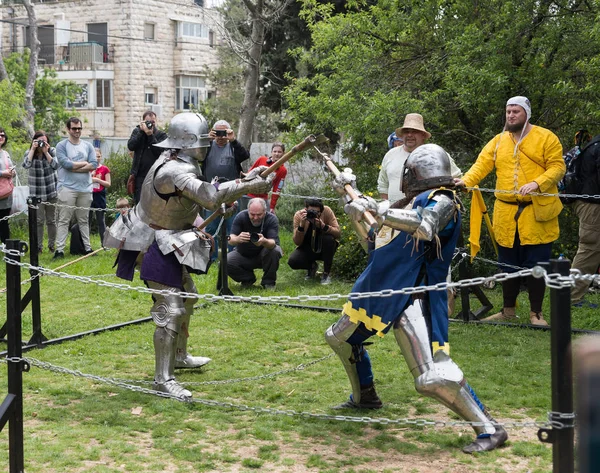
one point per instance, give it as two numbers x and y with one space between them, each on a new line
76 159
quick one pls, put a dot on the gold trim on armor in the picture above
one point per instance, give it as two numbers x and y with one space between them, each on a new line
360 315
435 346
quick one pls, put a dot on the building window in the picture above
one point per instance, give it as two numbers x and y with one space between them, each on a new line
148 30
192 30
103 93
81 97
189 91
150 96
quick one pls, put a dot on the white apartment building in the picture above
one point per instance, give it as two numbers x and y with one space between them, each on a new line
128 55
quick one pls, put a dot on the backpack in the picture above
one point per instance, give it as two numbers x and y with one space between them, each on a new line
572 181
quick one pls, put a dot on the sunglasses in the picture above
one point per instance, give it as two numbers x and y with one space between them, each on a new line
76 128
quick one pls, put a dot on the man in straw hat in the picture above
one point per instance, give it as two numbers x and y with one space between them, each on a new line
413 134
526 158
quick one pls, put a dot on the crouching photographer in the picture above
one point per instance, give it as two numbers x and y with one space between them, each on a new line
255 238
316 234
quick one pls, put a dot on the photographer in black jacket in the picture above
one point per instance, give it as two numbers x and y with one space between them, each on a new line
141 142
587 210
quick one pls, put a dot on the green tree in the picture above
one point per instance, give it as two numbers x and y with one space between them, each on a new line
50 95
455 62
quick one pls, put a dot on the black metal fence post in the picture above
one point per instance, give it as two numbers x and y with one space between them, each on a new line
223 283
12 407
562 439
33 294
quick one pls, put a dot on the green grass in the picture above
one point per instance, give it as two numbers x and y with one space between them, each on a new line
80 425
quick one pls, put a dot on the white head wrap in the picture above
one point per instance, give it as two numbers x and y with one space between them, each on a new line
521 102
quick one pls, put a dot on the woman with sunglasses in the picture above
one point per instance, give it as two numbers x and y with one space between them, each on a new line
7 171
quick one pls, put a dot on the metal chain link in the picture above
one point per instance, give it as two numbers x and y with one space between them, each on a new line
300 367
16 214
545 194
442 286
552 421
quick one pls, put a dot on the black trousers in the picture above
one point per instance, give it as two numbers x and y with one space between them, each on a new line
304 256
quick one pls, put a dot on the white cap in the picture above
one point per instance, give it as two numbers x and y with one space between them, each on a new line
521 102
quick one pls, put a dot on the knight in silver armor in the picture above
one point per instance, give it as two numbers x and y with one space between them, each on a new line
428 220
161 227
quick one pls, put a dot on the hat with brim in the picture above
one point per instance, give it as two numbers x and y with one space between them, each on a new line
413 121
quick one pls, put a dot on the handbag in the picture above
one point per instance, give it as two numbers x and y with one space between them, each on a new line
20 195
6 183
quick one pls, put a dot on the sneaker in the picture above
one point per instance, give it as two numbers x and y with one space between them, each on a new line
88 252
507 314
325 279
312 272
58 255
536 318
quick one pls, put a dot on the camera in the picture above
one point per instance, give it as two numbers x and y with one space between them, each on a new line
254 237
311 214
149 124
41 143
220 132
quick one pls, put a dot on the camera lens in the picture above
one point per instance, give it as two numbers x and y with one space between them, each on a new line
254 237
41 143
149 125
220 132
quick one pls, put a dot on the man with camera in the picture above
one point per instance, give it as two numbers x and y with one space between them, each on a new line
316 234
223 163
255 236
141 142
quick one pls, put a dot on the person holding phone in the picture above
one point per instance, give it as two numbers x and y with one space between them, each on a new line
223 163
40 161
7 171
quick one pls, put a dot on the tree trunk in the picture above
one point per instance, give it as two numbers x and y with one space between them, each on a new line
251 91
33 68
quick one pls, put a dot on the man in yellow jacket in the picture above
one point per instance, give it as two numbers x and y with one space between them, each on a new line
526 159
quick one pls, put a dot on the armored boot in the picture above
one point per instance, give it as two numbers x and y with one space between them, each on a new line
368 400
486 442
183 360
536 318
507 314
164 352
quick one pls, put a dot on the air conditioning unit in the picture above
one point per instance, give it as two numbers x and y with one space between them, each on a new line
156 108
86 53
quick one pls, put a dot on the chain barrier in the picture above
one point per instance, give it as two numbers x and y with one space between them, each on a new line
544 194
554 418
16 214
556 280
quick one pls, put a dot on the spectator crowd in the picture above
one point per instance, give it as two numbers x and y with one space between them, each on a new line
71 180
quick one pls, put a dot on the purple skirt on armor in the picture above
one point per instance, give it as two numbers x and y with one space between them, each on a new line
163 269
